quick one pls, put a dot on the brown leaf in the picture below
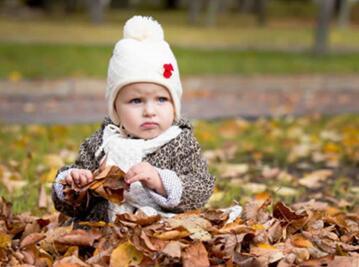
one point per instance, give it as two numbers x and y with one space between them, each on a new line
324 261
196 225
195 255
140 219
300 241
255 210
79 237
42 202
281 211
109 184
172 235
275 232
217 217
267 251
32 239
344 262
173 249
314 179
48 244
70 261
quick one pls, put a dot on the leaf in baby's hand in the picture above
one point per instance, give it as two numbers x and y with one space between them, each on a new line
73 194
109 184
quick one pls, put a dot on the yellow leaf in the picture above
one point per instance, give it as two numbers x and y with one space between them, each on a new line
258 227
5 240
173 234
300 241
265 246
48 176
262 196
53 161
125 255
215 197
15 76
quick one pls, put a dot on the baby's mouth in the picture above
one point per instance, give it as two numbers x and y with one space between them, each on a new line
149 125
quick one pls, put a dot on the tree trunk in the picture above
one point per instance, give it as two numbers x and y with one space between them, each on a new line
212 11
70 6
172 4
96 9
344 13
245 6
323 26
261 11
194 9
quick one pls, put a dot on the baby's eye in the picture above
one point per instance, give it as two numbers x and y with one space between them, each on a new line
162 99
135 101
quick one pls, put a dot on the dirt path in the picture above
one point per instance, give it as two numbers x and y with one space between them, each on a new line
205 97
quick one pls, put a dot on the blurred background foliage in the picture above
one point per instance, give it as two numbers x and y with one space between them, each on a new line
72 38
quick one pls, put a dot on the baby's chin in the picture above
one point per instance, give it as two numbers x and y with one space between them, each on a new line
148 134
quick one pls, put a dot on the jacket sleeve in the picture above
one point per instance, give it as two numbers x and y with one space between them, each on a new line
86 160
192 169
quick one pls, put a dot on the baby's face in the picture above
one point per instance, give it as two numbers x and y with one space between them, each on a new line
145 109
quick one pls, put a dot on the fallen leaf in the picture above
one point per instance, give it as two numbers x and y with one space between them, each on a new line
42 202
172 234
173 249
125 255
79 237
314 179
32 239
229 171
195 255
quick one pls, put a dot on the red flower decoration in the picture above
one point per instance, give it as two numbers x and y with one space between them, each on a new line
168 70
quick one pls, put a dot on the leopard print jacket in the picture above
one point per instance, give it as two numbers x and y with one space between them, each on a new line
181 155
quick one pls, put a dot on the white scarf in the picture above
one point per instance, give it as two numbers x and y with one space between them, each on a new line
124 152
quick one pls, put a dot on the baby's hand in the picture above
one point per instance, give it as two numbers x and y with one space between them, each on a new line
147 175
79 177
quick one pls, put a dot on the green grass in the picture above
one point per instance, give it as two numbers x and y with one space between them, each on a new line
290 26
265 142
52 61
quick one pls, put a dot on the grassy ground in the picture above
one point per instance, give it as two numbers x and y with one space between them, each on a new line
247 158
58 61
51 47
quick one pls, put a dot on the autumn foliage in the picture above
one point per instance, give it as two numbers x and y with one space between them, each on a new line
266 233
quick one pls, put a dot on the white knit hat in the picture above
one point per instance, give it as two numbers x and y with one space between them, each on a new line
142 56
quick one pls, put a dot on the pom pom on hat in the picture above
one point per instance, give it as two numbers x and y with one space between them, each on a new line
142 56
143 28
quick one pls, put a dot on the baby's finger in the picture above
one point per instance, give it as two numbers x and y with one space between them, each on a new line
69 180
138 177
83 180
76 177
130 174
89 176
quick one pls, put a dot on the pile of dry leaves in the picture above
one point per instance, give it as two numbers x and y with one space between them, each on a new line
266 234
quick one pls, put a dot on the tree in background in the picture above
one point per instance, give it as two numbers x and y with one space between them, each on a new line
96 9
325 12
194 10
344 12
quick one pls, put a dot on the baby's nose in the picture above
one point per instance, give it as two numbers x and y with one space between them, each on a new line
149 110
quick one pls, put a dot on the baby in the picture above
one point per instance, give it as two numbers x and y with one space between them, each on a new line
144 135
